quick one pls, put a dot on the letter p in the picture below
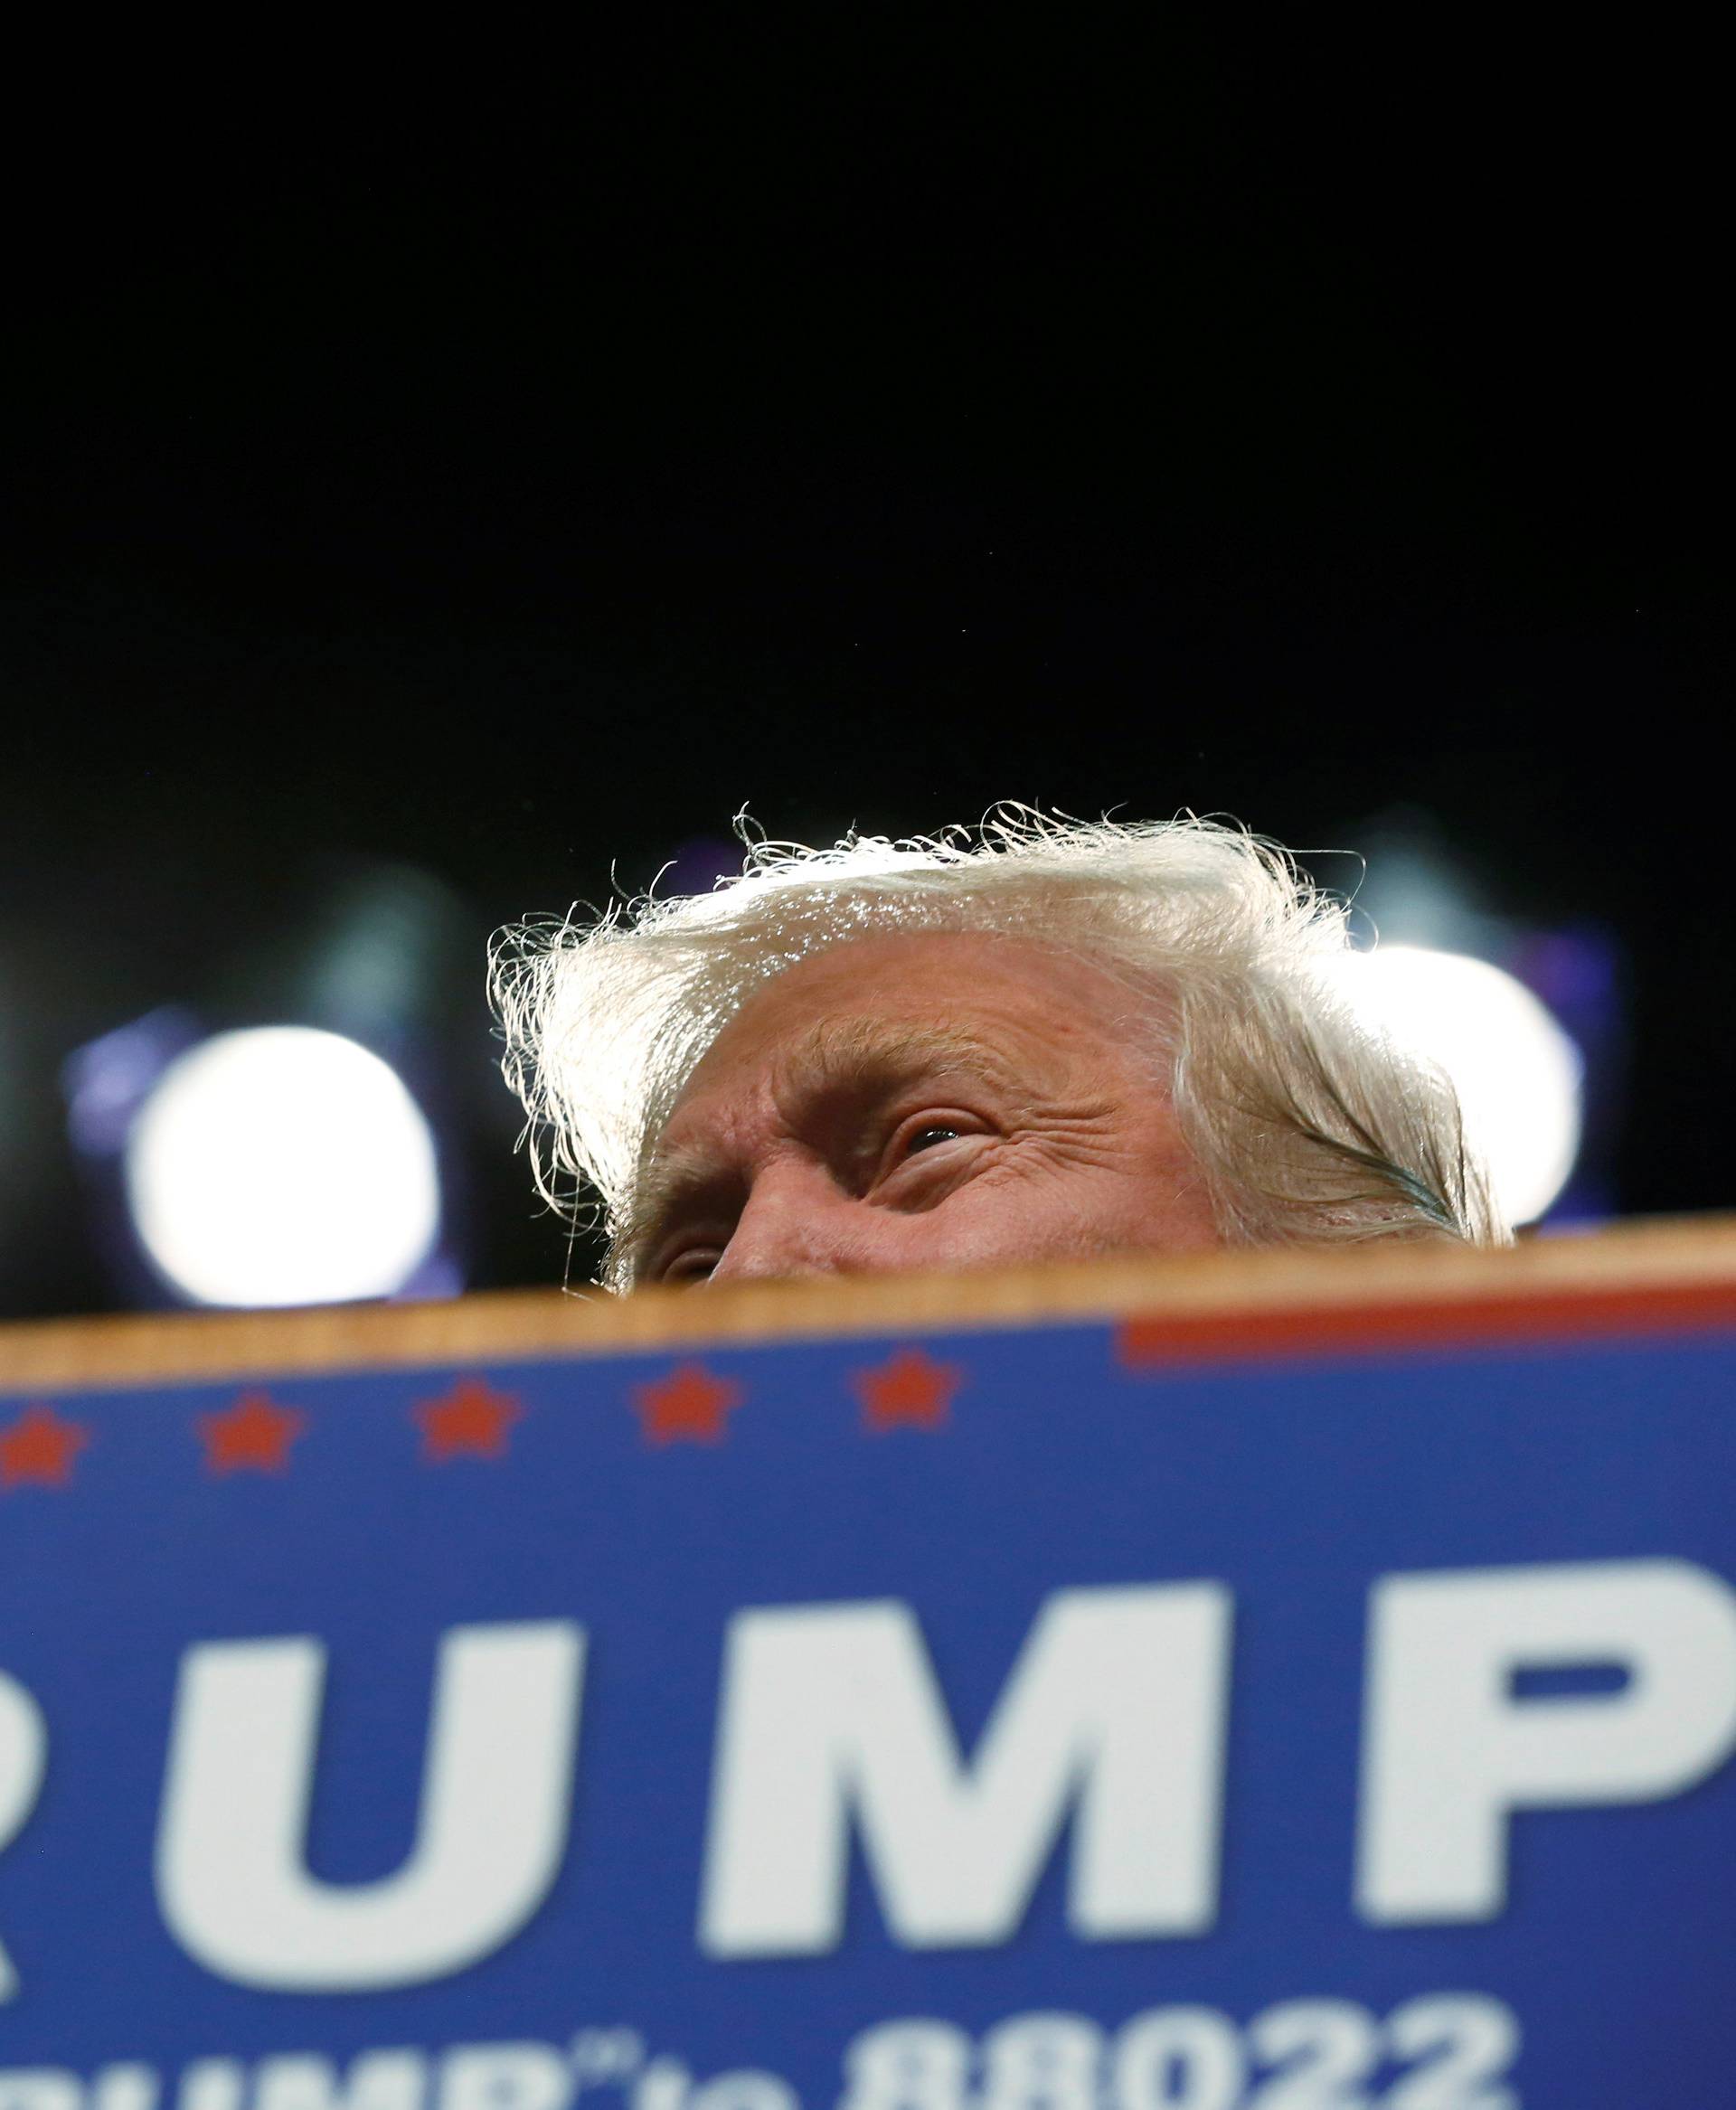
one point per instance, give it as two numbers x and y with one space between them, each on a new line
1449 1752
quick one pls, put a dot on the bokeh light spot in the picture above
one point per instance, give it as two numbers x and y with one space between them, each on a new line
282 1165
1517 1072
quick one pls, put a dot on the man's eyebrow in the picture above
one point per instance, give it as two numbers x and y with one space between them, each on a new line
686 1171
671 1183
872 1055
858 1061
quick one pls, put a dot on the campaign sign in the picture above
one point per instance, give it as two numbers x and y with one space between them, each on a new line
1070 1716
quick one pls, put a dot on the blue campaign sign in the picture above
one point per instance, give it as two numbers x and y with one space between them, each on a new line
1058 1716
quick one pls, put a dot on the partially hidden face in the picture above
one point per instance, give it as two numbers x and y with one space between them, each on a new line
920 1100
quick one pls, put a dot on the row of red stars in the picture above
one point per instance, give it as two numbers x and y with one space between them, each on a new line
474 1420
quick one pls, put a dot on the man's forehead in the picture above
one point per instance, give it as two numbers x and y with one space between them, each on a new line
863 1014
862 996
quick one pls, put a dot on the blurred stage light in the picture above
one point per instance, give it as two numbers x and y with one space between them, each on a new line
1518 1073
295 1132
282 1165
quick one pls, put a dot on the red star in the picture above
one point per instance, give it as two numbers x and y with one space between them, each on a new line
39 1448
471 1421
253 1436
688 1406
910 1391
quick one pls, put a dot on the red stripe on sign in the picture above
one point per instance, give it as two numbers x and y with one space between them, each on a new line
1461 1323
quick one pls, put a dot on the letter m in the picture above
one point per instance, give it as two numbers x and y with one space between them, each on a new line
1114 1713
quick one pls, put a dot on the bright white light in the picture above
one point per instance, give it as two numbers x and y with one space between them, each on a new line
282 1165
1518 1075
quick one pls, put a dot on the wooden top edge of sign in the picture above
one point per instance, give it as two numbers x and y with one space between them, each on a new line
1669 1266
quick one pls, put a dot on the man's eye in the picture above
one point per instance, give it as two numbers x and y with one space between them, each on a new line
925 1138
695 1266
925 1132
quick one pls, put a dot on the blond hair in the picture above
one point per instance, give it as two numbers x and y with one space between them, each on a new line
1309 1122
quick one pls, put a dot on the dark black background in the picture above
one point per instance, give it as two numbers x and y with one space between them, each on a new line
514 473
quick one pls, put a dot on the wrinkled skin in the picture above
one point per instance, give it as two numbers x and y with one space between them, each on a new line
921 1100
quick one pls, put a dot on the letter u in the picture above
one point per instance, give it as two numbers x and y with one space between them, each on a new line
231 1876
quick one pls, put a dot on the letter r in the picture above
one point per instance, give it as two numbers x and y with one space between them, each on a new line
24 1749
